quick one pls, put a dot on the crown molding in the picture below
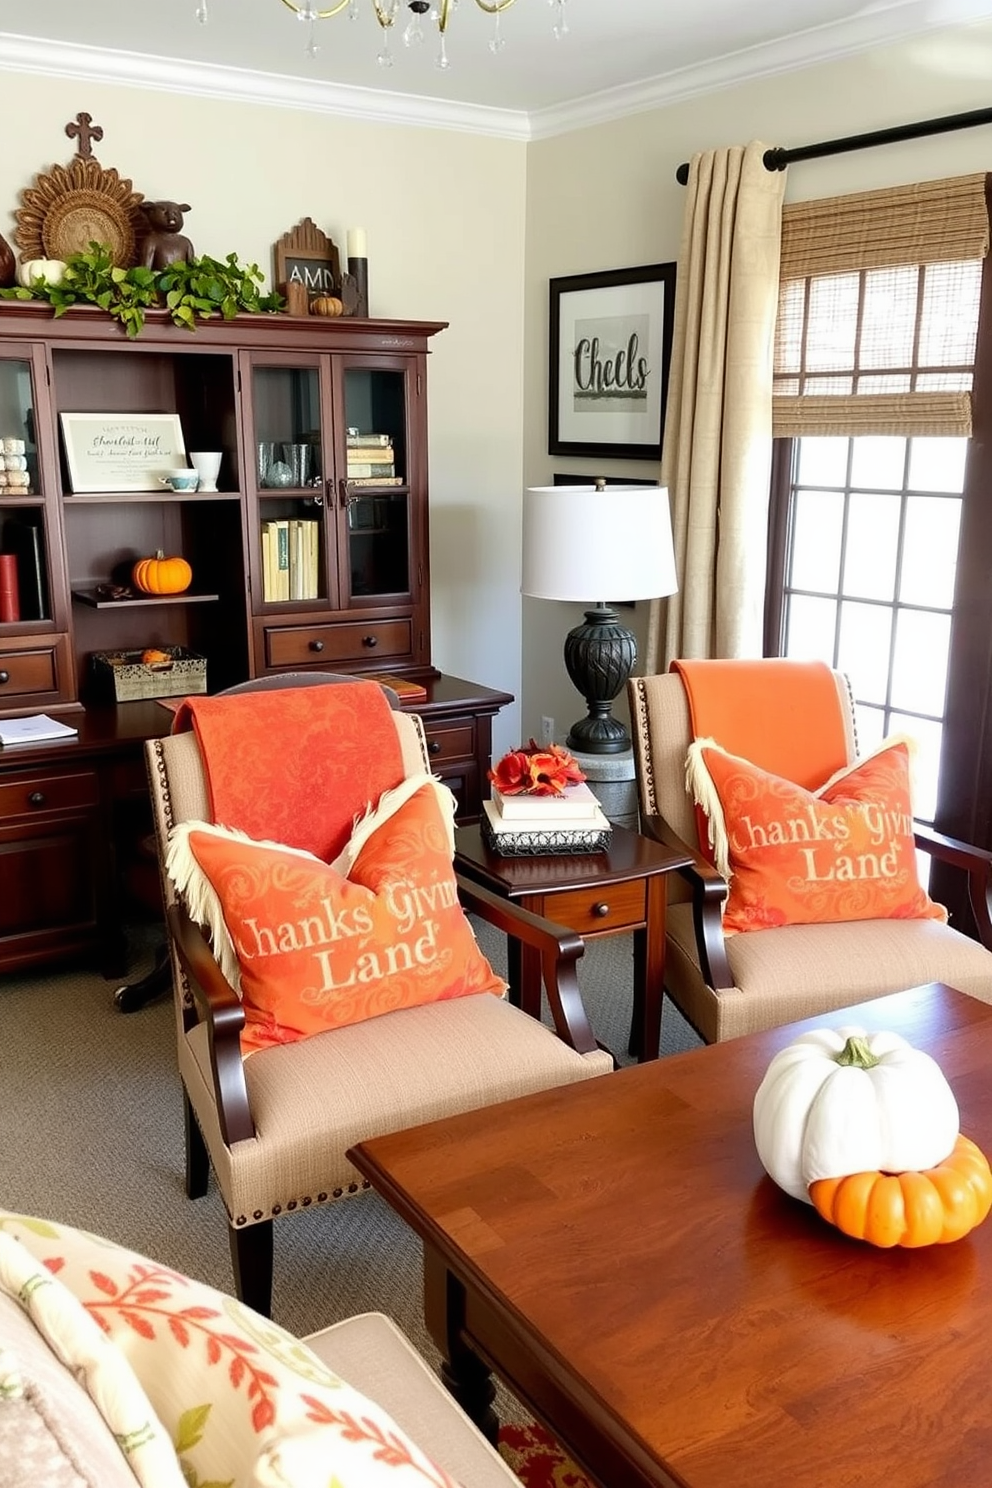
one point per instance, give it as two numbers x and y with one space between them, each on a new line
33 55
820 44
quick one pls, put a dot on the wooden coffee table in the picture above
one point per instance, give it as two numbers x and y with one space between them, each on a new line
614 1251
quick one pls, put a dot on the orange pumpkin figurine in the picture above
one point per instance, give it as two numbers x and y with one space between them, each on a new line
162 575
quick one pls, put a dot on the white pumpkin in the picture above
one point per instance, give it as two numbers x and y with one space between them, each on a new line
841 1101
48 270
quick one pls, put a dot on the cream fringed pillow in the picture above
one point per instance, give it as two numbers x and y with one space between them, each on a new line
798 857
317 946
245 1404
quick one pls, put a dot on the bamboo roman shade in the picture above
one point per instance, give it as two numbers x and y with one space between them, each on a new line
878 311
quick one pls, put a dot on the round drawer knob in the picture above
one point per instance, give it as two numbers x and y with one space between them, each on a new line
316 645
370 640
36 798
601 910
434 746
4 677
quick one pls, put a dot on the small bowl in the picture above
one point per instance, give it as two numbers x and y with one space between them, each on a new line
180 480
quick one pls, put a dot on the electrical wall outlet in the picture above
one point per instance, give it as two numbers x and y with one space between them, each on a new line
547 730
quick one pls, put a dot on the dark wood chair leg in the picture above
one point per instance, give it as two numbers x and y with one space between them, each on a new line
197 1158
251 1258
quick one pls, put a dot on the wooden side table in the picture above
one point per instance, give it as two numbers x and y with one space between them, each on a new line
618 892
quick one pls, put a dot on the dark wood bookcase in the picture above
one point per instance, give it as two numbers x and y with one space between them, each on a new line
278 395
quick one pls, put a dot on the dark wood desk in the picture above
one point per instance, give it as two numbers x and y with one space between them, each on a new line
615 892
614 1251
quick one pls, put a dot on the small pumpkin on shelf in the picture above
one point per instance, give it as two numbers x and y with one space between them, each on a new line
162 575
326 305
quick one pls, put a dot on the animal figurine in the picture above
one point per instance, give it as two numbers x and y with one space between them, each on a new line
163 243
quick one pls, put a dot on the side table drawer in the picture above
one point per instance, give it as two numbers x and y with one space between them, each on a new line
28 671
612 907
30 794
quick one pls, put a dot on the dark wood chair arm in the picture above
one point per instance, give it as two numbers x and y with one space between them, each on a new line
560 949
709 890
224 1017
976 863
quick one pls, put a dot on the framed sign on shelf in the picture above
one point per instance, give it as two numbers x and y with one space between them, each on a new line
121 451
609 349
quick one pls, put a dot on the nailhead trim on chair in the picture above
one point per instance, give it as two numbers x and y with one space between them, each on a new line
304 1203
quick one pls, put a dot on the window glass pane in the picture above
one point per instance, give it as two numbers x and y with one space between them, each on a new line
789 327
936 464
949 319
834 386
885 382
822 462
816 537
919 668
943 382
870 724
872 545
878 463
810 627
833 321
863 652
925 763
889 318
930 550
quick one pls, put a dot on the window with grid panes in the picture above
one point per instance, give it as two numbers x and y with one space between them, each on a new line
873 376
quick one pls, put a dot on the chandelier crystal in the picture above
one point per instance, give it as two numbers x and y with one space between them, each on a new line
432 13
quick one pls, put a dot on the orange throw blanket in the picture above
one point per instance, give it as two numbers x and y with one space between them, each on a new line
784 716
296 765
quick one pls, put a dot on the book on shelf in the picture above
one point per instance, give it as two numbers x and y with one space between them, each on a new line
383 455
37 729
376 480
578 804
357 468
369 441
25 541
407 690
548 835
275 560
10 604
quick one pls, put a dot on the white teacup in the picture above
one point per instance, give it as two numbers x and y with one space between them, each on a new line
180 480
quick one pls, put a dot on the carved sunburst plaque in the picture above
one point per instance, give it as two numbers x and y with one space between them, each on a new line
68 207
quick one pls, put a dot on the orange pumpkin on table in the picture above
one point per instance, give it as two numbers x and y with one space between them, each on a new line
162 575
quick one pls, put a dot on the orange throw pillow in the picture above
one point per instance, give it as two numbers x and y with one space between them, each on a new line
317 945
796 857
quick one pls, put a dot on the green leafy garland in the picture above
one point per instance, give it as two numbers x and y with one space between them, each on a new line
191 291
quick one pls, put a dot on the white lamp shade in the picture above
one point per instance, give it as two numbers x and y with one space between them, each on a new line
593 546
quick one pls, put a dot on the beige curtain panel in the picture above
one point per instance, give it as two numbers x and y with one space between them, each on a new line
718 425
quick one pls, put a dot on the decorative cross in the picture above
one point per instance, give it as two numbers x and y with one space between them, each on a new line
81 130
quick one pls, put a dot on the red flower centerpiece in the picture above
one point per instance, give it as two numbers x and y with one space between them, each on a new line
538 770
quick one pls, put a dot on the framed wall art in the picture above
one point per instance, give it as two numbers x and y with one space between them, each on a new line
609 349
121 451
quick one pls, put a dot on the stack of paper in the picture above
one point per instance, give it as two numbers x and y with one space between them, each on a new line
37 729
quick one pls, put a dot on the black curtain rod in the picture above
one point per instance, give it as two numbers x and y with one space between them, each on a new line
777 159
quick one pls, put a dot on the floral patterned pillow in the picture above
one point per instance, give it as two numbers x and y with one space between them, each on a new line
246 1404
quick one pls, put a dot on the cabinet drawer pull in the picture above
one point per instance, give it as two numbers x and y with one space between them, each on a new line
434 746
36 798
370 641
4 677
601 909
316 645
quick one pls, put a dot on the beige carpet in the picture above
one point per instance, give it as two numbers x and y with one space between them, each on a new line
92 1135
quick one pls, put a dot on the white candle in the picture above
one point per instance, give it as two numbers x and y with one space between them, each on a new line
356 243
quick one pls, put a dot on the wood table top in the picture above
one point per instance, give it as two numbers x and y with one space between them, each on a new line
673 1315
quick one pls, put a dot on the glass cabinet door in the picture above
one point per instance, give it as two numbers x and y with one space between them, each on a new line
287 426
376 484
24 581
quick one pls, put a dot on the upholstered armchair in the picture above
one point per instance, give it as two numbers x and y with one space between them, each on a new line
732 984
275 1126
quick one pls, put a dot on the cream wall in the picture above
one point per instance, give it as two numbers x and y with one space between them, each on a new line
444 214
607 197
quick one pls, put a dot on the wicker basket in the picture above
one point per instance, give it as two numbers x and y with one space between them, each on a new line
124 675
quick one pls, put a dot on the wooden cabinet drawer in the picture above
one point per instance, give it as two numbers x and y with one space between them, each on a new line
32 793
293 645
450 743
609 907
27 671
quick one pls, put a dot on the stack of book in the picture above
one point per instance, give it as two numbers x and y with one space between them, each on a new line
523 826
372 460
290 559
